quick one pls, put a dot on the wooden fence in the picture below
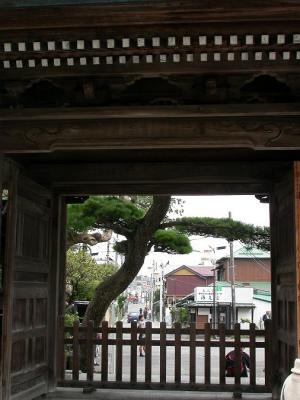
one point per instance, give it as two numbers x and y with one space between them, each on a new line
175 358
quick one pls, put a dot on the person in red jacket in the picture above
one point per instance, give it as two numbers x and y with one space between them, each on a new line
230 363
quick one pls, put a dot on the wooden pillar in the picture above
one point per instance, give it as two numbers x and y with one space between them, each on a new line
61 283
297 247
284 276
1 250
8 268
56 283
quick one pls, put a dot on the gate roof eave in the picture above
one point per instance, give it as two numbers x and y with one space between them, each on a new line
65 14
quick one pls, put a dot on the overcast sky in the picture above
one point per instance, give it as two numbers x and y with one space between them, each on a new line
243 208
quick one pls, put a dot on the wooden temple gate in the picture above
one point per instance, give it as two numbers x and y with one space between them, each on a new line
139 97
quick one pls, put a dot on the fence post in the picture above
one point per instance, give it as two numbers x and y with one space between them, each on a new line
148 352
119 350
75 359
268 354
61 349
133 351
237 360
207 334
177 352
222 354
163 352
90 350
192 352
104 352
252 355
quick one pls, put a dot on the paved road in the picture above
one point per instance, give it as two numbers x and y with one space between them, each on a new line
184 365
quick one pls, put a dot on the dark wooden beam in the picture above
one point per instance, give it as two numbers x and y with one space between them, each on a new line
160 177
207 189
261 126
137 14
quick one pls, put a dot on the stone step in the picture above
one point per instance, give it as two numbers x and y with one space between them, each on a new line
129 394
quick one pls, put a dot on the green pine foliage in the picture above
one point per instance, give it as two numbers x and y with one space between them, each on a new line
250 235
103 212
84 274
171 241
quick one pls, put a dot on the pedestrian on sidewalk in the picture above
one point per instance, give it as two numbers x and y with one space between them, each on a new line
141 324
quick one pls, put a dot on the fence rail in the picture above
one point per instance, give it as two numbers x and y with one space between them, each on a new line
177 357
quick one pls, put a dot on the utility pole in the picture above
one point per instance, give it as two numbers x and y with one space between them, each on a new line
214 300
162 292
152 290
232 281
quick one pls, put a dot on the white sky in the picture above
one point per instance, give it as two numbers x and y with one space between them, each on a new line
243 208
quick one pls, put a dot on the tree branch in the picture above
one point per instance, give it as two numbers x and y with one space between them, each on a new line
117 228
226 228
88 238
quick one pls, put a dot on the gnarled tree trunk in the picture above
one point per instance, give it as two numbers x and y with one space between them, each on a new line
137 249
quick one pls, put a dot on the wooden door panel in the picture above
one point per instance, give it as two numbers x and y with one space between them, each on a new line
283 278
297 245
29 355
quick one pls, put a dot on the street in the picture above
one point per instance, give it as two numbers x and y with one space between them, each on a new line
184 365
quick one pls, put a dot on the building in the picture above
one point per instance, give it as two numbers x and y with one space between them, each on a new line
183 280
203 305
252 302
250 265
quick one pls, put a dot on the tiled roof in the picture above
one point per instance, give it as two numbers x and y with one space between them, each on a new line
244 252
197 269
263 297
202 270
